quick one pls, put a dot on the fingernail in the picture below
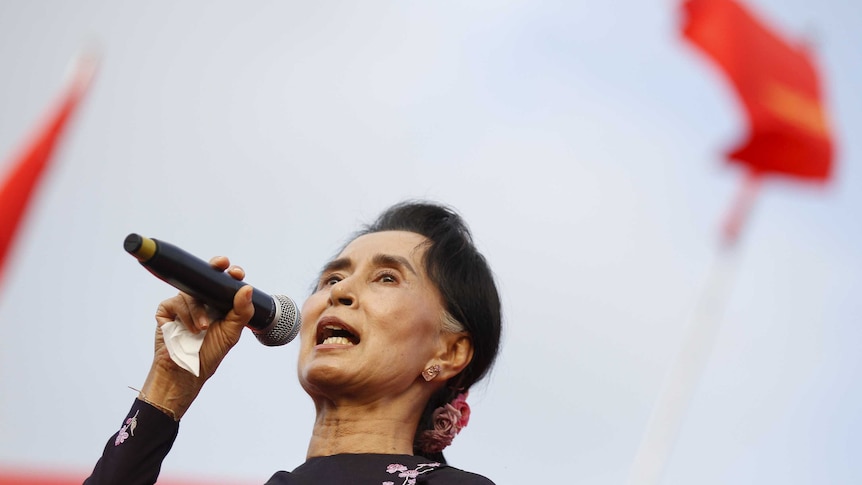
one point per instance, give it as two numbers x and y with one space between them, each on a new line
249 295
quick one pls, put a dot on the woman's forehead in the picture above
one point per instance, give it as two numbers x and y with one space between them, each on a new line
406 244
384 248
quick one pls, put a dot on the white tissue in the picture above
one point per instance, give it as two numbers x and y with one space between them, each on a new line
184 346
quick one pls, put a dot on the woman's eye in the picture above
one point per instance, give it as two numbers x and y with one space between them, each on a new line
387 278
330 280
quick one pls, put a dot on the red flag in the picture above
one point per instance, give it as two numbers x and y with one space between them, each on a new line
778 85
26 170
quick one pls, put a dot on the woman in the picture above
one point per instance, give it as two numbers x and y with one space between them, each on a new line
402 323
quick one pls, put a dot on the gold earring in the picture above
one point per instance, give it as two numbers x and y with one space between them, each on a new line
430 373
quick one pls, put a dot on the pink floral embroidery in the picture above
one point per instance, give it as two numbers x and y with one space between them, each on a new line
448 420
408 475
123 435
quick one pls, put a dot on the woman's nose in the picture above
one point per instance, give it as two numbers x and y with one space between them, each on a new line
340 294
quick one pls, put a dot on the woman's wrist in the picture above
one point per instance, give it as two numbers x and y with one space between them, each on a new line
171 413
171 391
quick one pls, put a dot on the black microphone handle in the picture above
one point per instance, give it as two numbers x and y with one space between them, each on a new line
194 276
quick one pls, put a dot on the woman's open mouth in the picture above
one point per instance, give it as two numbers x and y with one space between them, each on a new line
335 333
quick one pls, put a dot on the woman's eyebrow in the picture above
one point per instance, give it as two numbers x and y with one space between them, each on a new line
336 265
393 261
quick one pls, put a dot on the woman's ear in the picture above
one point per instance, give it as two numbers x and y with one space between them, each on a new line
456 351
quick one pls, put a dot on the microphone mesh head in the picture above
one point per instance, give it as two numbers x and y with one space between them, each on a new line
284 326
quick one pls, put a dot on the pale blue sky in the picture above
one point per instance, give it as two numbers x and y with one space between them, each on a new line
581 140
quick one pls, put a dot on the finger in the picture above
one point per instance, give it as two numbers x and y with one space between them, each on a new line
195 315
236 272
176 309
220 263
167 310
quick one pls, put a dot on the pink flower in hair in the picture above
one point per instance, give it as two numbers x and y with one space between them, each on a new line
447 421
460 403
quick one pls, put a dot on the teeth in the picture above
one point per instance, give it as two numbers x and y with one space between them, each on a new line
338 341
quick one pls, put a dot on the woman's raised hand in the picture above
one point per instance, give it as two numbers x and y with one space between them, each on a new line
170 387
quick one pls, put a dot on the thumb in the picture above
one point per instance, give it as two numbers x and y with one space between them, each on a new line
242 310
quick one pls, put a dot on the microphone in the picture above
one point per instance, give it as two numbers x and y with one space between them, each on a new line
276 320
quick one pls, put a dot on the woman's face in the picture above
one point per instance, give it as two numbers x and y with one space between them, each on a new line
373 323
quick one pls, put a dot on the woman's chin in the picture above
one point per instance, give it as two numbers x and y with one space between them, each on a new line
322 375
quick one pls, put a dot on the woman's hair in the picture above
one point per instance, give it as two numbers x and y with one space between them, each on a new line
465 282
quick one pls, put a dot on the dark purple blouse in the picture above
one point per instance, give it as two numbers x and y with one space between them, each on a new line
135 453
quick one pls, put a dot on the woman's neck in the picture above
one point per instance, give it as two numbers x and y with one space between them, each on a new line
386 428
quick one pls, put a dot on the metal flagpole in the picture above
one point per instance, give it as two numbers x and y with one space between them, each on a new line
681 381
